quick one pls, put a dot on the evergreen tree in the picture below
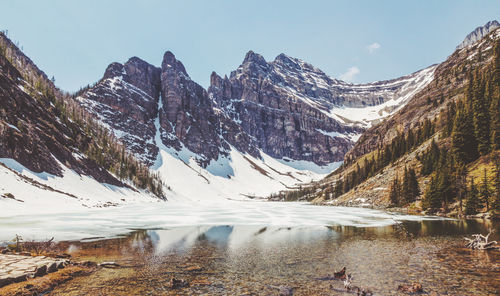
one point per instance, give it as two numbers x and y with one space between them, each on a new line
444 186
461 185
484 191
409 189
472 205
405 187
463 141
495 122
394 192
413 186
480 116
430 159
496 201
432 200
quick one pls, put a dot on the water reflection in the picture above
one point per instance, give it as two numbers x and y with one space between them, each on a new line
236 260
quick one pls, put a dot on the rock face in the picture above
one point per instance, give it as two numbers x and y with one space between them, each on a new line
285 108
289 107
126 100
187 117
32 130
478 34
281 125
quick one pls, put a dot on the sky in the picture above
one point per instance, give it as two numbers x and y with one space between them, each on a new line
357 41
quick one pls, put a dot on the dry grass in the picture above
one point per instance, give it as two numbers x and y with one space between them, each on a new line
40 285
476 169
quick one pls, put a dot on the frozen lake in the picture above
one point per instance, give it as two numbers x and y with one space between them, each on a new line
112 221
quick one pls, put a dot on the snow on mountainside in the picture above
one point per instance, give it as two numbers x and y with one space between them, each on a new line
125 101
351 104
369 115
23 191
269 127
52 156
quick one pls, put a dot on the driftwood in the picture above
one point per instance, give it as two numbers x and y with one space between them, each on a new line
480 242
109 264
348 281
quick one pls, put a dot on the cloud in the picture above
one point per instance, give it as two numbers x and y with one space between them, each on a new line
349 75
373 47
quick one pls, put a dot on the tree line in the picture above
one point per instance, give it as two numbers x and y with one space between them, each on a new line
473 125
88 135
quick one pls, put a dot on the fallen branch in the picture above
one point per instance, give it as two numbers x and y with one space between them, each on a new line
480 242
109 264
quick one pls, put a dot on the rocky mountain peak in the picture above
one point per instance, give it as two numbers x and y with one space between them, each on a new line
286 108
113 70
295 64
171 64
252 57
286 61
479 33
215 79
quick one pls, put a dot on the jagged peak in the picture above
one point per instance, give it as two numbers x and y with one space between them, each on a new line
285 60
215 79
169 60
295 63
138 61
479 33
113 70
252 57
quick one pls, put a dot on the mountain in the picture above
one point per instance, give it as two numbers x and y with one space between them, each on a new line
478 34
49 145
126 99
279 123
320 117
447 134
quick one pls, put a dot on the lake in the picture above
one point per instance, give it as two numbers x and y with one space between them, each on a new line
252 248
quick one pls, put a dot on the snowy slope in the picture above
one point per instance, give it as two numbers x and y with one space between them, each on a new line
352 104
45 193
367 116
236 176
339 111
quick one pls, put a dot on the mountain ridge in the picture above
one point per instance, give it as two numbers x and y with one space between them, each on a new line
479 33
464 91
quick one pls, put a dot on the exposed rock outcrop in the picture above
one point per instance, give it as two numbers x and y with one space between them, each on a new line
32 130
478 34
126 100
290 99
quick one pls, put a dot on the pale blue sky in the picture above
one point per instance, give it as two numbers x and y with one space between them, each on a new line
76 40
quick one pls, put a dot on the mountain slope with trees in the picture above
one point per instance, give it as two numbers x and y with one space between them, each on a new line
438 154
46 131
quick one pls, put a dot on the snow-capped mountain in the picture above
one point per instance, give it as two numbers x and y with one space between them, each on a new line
478 34
276 123
320 117
46 162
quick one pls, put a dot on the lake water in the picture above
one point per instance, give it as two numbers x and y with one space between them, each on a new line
252 248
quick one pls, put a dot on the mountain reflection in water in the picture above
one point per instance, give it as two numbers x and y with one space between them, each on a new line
253 260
